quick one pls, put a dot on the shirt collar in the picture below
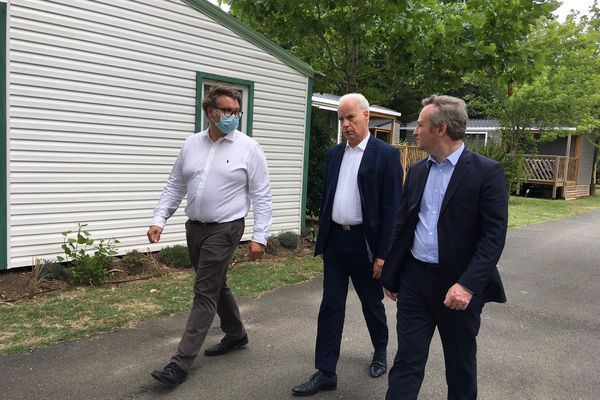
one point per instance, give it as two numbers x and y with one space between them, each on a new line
362 145
452 158
230 137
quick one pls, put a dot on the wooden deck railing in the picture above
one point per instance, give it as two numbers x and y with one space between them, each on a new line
557 171
551 168
409 154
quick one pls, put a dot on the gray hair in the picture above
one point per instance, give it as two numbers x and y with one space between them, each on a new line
362 101
450 111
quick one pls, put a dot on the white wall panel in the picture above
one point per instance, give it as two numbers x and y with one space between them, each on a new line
102 95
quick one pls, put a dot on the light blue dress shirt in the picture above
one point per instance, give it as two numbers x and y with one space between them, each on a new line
425 245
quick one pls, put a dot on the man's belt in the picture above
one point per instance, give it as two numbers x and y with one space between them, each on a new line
431 267
346 227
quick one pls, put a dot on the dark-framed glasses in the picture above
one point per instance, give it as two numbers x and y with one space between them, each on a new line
228 112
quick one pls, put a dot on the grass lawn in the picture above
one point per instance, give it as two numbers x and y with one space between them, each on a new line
524 211
80 312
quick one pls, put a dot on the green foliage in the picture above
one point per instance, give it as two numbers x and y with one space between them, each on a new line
320 140
135 261
272 245
514 165
51 269
288 240
87 268
175 256
346 41
90 269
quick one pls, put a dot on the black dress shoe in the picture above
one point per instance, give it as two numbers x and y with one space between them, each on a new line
315 384
378 364
225 346
170 375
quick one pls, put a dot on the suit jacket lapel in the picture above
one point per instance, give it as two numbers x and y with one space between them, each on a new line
462 166
368 157
421 180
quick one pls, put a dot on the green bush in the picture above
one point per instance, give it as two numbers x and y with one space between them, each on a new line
51 269
135 261
175 256
272 245
87 268
288 240
321 138
90 269
514 165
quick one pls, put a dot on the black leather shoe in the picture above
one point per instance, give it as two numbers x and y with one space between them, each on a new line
170 375
378 364
225 346
315 384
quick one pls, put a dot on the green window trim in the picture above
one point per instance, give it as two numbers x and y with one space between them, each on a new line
202 76
3 140
309 92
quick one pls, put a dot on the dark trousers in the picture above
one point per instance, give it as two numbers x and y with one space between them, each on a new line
346 257
420 310
211 247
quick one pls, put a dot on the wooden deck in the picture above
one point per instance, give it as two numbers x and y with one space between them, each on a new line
554 171
410 154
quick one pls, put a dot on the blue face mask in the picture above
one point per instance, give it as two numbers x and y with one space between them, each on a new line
228 124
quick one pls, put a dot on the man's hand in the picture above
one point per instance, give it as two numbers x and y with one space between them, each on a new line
154 233
392 296
377 267
255 250
458 298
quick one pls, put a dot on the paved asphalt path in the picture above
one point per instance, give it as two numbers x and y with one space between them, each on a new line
543 344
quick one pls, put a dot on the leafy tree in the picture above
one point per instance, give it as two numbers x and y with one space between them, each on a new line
564 93
346 41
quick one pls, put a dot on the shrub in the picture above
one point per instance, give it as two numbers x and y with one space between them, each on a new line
90 269
239 254
87 268
288 240
272 245
321 139
514 165
135 261
175 256
51 269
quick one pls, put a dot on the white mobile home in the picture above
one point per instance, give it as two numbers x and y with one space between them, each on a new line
98 97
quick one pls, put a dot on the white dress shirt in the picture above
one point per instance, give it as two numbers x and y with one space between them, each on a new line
220 179
346 202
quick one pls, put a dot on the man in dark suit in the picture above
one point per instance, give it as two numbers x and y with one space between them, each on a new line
361 195
448 237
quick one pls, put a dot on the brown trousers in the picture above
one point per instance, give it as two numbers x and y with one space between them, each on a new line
211 247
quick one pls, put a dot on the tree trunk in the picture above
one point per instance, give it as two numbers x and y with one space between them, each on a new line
594 165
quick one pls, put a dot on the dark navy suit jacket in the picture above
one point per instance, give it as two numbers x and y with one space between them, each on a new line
380 187
471 227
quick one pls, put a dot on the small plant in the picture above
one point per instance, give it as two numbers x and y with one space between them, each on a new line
135 261
175 256
239 254
35 280
272 245
51 269
87 268
288 240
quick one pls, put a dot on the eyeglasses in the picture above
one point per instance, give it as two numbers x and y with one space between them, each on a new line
228 112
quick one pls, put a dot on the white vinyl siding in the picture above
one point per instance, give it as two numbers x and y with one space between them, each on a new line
102 96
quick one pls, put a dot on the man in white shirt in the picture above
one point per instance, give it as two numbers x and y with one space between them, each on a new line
361 195
221 170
